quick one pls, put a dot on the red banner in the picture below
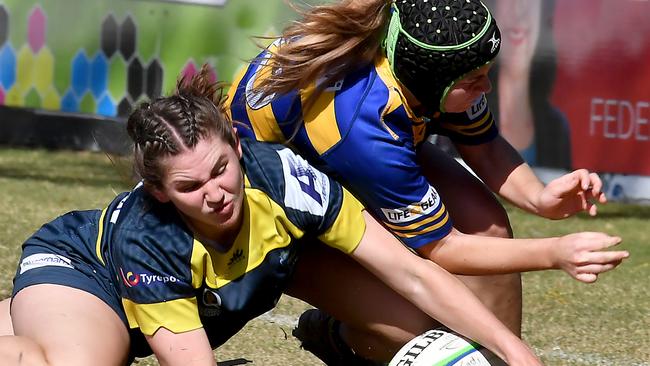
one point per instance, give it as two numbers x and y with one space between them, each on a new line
603 82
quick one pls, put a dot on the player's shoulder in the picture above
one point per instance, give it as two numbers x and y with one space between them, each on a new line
136 220
286 177
265 164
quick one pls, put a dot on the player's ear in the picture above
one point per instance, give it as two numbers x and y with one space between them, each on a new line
237 144
158 194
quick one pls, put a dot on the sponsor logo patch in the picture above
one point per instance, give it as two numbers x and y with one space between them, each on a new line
253 96
132 279
307 189
44 260
429 203
210 303
477 109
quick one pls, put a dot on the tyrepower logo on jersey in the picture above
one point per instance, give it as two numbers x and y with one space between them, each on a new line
414 211
44 260
132 279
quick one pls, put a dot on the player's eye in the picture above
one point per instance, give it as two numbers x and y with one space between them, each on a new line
189 187
220 169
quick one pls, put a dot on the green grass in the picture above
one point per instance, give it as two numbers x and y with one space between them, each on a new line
566 322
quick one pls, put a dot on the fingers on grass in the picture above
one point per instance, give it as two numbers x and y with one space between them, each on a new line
586 277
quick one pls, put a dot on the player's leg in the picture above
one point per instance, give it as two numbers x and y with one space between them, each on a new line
375 320
475 210
5 318
21 351
70 326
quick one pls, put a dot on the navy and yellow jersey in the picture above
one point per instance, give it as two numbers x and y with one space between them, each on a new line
361 131
168 277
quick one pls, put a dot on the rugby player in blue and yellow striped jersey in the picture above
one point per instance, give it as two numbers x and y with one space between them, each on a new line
357 87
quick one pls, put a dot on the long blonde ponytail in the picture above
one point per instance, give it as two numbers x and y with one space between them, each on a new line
328 42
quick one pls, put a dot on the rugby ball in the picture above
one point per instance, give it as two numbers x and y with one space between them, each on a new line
443 347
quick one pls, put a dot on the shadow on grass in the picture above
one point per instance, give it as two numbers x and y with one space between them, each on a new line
237 361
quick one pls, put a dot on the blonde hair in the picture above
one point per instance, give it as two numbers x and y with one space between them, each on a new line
328 42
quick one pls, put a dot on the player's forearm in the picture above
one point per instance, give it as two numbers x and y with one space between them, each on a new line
181 349
522 188
503 170
438 293
434 290
481 255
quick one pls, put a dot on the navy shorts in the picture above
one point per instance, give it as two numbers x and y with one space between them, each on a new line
63 252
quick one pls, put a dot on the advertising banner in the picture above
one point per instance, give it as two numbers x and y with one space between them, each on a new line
101 57
571 87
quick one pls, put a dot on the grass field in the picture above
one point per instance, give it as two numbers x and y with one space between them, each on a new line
567 323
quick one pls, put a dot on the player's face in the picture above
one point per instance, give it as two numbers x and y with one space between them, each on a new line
466 91
206 186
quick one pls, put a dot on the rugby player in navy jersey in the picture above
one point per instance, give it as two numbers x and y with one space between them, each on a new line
217 230
357 87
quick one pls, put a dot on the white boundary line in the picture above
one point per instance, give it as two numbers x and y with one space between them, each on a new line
592 359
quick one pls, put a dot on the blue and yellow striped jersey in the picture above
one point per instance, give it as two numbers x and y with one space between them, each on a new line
169 278
361 131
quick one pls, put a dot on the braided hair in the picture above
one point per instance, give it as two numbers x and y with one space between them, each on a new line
170 125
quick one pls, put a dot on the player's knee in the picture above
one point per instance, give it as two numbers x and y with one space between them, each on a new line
396 335
496 290
21 351
499 224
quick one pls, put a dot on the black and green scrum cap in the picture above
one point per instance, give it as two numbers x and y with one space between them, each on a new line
431 44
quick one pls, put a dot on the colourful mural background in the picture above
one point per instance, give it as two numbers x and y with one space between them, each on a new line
102 56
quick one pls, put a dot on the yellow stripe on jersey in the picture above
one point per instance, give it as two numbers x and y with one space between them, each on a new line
320 119
177 316
348 228
396 99
423 231
414 226
239 75
263 119
98 245
386 75
463 129
198 263
257 237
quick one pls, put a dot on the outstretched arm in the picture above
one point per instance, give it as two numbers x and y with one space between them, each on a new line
179 349
582 255
499 165
429 287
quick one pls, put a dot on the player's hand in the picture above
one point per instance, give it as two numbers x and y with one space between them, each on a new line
584 256
521 355
569 194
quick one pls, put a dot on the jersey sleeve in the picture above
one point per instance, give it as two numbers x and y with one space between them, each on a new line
472 127
318 204
377 162
153 266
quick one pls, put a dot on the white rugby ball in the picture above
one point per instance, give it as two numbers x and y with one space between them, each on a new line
442 347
